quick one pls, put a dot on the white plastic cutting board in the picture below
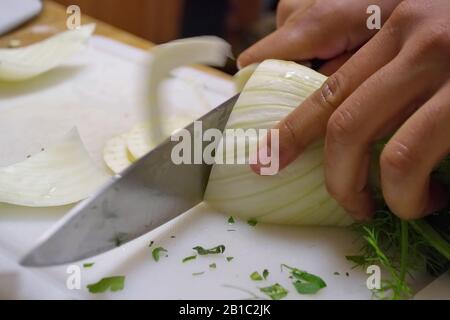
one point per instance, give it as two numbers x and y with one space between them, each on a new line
101 92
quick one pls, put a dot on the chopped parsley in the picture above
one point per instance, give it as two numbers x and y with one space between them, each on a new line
231 220
198 273
230 258
88 265
113 284
275 292
189 258
216 250
156 253
255 276
213 266
336 273
307 287
304 282
252 222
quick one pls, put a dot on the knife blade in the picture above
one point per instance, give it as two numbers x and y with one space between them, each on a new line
150 193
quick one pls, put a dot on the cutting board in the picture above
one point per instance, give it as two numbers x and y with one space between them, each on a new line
102 92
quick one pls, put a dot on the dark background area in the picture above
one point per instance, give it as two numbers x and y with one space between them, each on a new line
240 22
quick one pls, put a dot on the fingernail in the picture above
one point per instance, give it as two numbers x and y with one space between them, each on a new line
326 91
263 149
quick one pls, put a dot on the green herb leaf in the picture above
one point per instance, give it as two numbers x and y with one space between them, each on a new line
255 276
306 287
358 260
336 273
198 273
112 283
156 253
216 250
213 266
230 258
88 265
230 220
305 283
252 222
189 258
265 274
275 292
308 277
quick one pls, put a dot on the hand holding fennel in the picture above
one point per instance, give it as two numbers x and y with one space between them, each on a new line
396 85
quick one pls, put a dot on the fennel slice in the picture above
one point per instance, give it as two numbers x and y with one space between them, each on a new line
207 50
139 140
28 62
61 174
116 155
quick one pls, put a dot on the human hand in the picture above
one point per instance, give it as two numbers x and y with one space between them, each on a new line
397 85
323 29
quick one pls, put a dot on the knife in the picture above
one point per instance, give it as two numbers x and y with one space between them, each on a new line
150 193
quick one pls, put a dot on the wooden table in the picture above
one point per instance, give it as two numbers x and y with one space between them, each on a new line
53 20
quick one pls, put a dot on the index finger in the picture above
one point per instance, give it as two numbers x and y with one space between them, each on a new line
308 122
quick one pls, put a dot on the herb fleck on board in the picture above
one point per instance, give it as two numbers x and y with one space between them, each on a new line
216 250
156 253
113 284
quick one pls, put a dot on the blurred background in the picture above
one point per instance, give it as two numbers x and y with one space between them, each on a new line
240 22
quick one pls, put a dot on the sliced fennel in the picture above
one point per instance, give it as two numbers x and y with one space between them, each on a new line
24 63
297 195
59 175
241 78
139 141
167 57
116 154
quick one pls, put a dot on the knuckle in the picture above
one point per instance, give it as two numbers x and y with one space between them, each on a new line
342 127
407 11
435 38
432 115
286 7
396 159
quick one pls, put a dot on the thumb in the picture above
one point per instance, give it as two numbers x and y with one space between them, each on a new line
323 30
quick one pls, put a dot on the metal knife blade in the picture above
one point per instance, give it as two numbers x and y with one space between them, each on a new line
150 193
